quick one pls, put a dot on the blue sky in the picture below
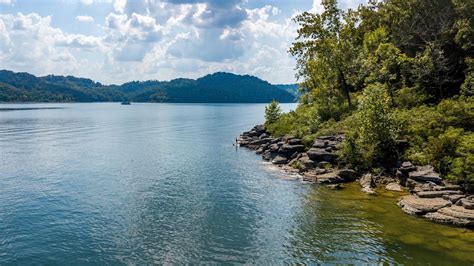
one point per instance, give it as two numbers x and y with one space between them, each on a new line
114 41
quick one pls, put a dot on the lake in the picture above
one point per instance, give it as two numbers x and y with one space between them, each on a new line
103 183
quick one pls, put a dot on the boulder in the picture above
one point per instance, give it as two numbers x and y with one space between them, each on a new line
407 167
467 203
413 204
263 136
347 174
290 149
279 160
329 178
424 174
273 147
294 141
336 176
318 155
268 155
437 194
394 187
326 137
335 186
259 142
456 215
367 181
306 162
320 144
453 198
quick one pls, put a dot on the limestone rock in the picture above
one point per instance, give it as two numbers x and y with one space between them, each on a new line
367 181
437 194
456 215
467 203
394 187
424 174
412 204
318 155
279 160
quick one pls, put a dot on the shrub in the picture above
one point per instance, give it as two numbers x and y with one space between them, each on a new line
373 134
272 112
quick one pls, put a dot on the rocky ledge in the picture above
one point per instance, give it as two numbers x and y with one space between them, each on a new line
430 197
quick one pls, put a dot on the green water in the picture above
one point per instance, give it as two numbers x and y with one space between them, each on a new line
343 217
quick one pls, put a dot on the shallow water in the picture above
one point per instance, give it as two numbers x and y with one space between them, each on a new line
106 183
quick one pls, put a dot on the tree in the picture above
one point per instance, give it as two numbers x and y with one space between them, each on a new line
272 112
330 41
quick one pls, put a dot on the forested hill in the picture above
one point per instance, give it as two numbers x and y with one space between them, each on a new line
214 88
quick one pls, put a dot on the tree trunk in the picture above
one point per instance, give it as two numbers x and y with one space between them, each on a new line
345 87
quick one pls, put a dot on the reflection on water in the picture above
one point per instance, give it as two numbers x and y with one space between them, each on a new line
145 183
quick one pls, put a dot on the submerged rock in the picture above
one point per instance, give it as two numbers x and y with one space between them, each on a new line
335 186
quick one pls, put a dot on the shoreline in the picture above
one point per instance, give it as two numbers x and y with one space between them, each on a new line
423 193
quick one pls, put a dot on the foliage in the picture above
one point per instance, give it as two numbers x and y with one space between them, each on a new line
272 112
410 65
214 88
442 136
373 136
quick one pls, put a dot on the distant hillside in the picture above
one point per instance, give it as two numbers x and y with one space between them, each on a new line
291 88
214 88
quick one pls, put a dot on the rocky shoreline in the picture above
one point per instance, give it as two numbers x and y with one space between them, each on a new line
430 196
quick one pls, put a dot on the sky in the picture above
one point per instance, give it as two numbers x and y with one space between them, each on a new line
115 41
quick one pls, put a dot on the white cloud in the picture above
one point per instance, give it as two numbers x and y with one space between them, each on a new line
87 2
155 39
6 2
84 18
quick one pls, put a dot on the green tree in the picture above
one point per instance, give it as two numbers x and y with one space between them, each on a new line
326 50
272 112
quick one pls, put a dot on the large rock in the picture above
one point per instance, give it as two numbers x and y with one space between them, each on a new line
467 203
258 142
453 198
424 174
273 147
456 215
329 178
407 167
336 176
279 160
306 162
394 187
412 204
318 155
367 181
437 194
347 174
290 149
320 144
268 155
294 141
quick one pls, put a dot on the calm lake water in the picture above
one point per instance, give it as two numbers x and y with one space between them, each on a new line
148 183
